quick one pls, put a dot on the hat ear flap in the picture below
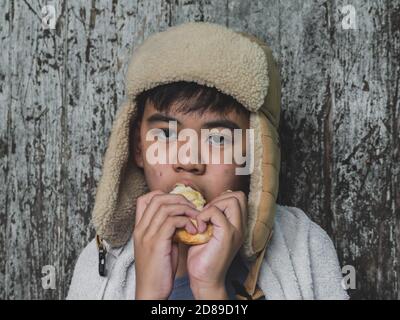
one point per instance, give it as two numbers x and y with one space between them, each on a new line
121 183
264 185
270 167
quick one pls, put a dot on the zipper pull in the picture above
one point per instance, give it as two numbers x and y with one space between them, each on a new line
102 256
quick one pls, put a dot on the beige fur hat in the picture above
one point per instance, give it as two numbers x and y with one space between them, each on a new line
235 63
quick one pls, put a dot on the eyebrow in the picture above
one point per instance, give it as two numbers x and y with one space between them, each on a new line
220 123
223 123
158 117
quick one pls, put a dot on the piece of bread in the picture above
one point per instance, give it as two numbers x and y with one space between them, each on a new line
181 235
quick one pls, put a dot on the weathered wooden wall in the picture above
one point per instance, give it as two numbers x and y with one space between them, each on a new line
340 125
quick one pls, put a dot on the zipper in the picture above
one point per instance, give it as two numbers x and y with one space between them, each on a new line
102 256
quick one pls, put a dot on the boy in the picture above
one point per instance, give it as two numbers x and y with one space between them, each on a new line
196 78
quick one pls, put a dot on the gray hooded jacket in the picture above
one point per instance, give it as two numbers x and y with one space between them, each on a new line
301 263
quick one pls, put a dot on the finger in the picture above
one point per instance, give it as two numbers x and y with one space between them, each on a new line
238 195
168 210
142 202
211 215
241 196
230 207
155 203
168 229
174 257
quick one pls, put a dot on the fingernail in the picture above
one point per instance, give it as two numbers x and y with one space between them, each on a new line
192 213
201 226
194 230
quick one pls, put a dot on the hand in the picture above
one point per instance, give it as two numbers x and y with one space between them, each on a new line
156 256
208 263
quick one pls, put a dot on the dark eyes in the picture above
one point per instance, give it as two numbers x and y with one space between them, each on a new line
214 139
218 139
166 134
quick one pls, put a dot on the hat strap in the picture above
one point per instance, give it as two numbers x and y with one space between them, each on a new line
250 290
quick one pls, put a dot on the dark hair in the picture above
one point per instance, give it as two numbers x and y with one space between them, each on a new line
188 97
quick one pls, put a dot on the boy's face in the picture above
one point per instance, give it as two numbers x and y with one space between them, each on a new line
211 179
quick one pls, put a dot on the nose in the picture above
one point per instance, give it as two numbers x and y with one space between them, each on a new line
189 163
194 168
188 157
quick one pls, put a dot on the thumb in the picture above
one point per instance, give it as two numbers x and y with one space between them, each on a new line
142 202
174 258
